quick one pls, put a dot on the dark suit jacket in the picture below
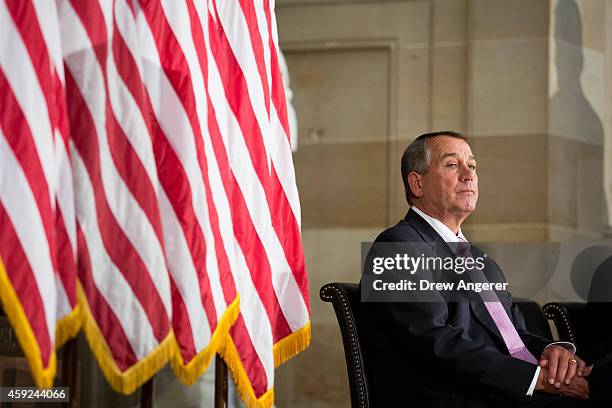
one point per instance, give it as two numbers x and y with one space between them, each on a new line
598 343
449 346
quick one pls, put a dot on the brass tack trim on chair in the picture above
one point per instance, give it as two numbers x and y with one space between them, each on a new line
558 315
328 293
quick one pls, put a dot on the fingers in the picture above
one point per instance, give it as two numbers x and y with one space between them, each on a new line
571 370
561 370
582 387
580 367
583 393
562 366
587 371
553 363
578 394
574 393
544 363
574 390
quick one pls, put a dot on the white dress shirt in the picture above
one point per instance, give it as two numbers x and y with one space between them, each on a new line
449 236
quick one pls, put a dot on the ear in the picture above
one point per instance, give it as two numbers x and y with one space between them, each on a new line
415 184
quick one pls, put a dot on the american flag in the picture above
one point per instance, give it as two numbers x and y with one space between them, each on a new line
187 213
37 218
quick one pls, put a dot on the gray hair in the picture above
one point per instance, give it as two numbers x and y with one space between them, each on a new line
417 156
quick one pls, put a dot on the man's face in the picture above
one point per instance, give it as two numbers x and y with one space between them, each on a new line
451 183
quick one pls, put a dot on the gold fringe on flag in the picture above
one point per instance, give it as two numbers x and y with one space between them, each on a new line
292 345
229 353
68 327
43 377
188 374
128 381
285 349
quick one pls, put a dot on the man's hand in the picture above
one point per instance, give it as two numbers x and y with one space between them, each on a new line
562 365
579 387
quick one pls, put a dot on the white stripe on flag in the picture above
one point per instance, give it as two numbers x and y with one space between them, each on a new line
108 279
17 67
126 210
19 202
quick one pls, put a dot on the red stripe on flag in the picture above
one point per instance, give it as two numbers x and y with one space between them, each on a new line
278 88
195 237
20 273
257 46
181 325
124 157
295 253
110 327
19 137
65 258
176 68
118 246
26 21
249 241
289 234
227 280
24 17
239 332
237 96
139 183
249 358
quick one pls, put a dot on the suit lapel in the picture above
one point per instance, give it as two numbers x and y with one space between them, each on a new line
430 236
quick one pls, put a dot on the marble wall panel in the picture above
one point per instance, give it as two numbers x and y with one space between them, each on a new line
342 184
513 180
499 19
340 95
449 20
508 87
563 156
336 20
449 87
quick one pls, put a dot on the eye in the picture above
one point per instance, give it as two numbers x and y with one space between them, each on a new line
472 166
451 165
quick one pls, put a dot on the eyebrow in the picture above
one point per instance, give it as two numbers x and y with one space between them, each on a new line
454 154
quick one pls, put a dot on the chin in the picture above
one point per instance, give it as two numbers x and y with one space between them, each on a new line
469 207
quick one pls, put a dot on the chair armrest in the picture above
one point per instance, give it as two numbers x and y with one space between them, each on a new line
568 318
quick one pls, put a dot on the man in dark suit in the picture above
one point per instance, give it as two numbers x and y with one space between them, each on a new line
471 350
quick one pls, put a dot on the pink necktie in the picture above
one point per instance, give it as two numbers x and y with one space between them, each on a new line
513 341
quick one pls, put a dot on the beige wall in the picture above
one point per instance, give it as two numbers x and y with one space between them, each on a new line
525 79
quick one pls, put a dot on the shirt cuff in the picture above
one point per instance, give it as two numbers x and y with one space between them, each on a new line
533 382
566 344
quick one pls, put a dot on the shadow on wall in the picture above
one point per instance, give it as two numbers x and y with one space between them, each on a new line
569 103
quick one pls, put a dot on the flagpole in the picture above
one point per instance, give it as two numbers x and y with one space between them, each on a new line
146 394
220 382
70 373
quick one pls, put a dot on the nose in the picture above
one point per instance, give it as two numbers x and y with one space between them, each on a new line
466 174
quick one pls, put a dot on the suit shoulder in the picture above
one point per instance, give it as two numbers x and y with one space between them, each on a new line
400 232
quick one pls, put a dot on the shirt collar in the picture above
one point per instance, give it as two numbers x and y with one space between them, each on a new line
446 233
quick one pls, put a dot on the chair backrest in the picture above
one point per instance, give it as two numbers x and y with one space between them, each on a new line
345 298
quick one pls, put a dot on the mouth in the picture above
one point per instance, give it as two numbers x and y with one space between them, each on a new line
466 192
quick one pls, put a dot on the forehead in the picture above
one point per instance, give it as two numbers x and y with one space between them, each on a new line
443 145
